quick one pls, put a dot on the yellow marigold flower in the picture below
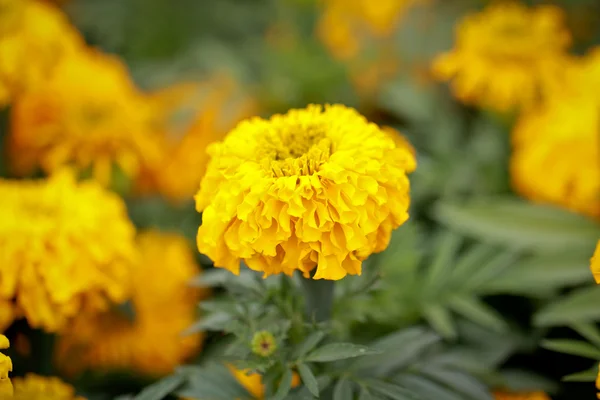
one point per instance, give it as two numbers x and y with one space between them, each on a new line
89 115
34 37
221 104
66 249
6 388
556 154
314 187
253 382
343 24
507 56
35 387
164 306
595 263
521 396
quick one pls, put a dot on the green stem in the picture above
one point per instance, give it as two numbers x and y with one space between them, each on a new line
318 298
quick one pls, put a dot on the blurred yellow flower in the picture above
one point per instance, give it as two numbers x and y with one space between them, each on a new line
34 37
90 115
521 396
344 24
316 187
6 388
595 263
253 382
164 306
66 249
556 155
506 57
220 105
35 387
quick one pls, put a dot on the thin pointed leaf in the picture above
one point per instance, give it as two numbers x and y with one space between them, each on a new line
338 351
476 311
161 389
285 385
440 320
308 379
578 306
308 344
589 375
574 347
343 390
588 331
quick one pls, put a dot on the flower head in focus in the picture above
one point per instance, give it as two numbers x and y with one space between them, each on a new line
319 187
164 306
34 38
35 387
556 155
66 249
253 382
219 105
595 263
521 396
506 57
6 388
89 115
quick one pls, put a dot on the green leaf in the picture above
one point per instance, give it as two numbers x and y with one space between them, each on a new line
213 322
578 306
475 310
160 389
574 347
392 391
589 331
519 224
426 388
469 387
446 248
308 379
213 381
212 278
308 344
440 319
589 375
338 351
343 390
285 385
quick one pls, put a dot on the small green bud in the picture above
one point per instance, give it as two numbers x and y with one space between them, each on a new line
263 343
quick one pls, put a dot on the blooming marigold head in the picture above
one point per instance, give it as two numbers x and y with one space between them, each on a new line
556 154
34 37
67 249
508 56
35 387
521 396
164 306
88 115
318 186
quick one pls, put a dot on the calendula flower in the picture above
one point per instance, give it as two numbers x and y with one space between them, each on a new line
345 24
219 105
595 263
314 188
66 248
34 38
556 155
508 56
150 342
521 396
35 387
89 115
6 388
253 382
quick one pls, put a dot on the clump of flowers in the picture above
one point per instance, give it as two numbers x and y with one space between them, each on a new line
315 188
506 57
35 387
89 115
6 388
163 307
67 248
34 38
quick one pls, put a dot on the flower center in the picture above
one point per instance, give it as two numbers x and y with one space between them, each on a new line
299 150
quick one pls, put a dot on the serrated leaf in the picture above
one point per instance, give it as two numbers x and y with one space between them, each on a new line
577 306
589 375
160 389
573 347
519 224
343 390
285 385
308 379
440 320
476 311
338 351
308 344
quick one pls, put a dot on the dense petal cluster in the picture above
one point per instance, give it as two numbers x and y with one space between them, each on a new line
316 187
556 155
508 56
89 115
35 387
222 104
65 248
150 341
34 37
6 388
521 396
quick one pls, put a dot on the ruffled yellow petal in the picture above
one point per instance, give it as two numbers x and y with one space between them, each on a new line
34 387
